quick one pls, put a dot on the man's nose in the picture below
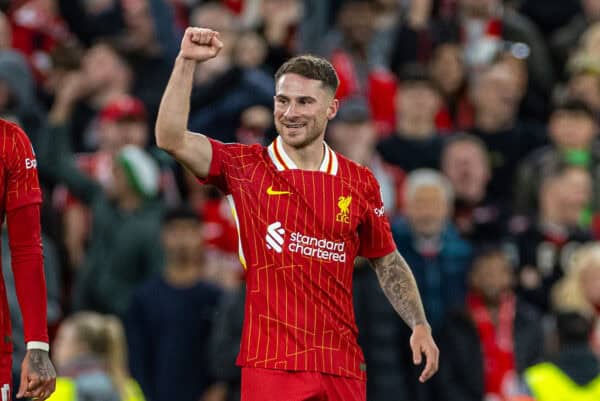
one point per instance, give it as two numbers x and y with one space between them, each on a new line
290 111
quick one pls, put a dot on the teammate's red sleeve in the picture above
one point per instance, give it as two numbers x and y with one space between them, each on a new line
24 236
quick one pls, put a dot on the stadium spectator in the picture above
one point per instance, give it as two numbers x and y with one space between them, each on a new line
223 89
124 245
172 313
449 74
566 38
380 333
545 246
573 129
97 87
415 143
18 101
496 96
580 287
496 334
574 374
91 358
432 246
478 218
486 28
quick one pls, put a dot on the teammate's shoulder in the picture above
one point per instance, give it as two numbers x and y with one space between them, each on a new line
10 128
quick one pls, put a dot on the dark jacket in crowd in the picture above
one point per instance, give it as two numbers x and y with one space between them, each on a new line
441 277
380 337
461 366
124 247
168 330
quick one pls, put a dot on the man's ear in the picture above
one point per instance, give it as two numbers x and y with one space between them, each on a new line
333 109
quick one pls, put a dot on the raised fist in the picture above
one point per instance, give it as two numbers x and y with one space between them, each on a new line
200 44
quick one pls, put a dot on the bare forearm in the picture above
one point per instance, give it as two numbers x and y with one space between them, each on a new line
400 287
171 123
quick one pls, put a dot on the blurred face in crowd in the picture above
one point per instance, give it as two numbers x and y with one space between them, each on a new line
355 140
447 68
417 102
255 121
564 197
590 282
250 50
139 23
591 9
182 241
496 95
427 210
134 132
303 107
287 12
465 163
586 87
356 21
590 41
66 346
478 8
491 277
575 191
102 67
219 18
571 129
517 68
110 138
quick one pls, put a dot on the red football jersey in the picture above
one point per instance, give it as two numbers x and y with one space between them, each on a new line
19 186
299 232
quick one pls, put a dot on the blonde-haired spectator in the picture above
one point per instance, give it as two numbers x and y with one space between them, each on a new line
91 358
579 290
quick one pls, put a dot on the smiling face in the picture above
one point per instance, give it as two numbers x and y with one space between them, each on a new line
303 106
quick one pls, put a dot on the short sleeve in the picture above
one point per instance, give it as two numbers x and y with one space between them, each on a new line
22 186
375 234
224 164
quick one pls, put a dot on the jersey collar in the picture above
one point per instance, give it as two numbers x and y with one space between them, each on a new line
282 161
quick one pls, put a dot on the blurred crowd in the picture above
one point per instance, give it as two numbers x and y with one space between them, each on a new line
479 119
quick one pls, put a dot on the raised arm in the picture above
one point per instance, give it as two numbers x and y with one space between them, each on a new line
191 149
400 287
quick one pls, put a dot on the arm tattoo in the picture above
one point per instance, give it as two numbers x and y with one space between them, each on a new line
400 287
40 363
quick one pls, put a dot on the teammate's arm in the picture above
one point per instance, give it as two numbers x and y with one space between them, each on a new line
22 205
400 287
191 149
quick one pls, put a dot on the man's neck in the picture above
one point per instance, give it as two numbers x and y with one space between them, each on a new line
309 157
182 275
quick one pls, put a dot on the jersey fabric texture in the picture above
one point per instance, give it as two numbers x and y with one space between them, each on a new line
299 232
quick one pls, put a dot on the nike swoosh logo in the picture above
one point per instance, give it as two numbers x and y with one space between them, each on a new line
271 191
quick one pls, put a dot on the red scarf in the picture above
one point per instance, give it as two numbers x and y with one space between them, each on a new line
496 342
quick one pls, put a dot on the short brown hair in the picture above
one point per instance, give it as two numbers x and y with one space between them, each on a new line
311 67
